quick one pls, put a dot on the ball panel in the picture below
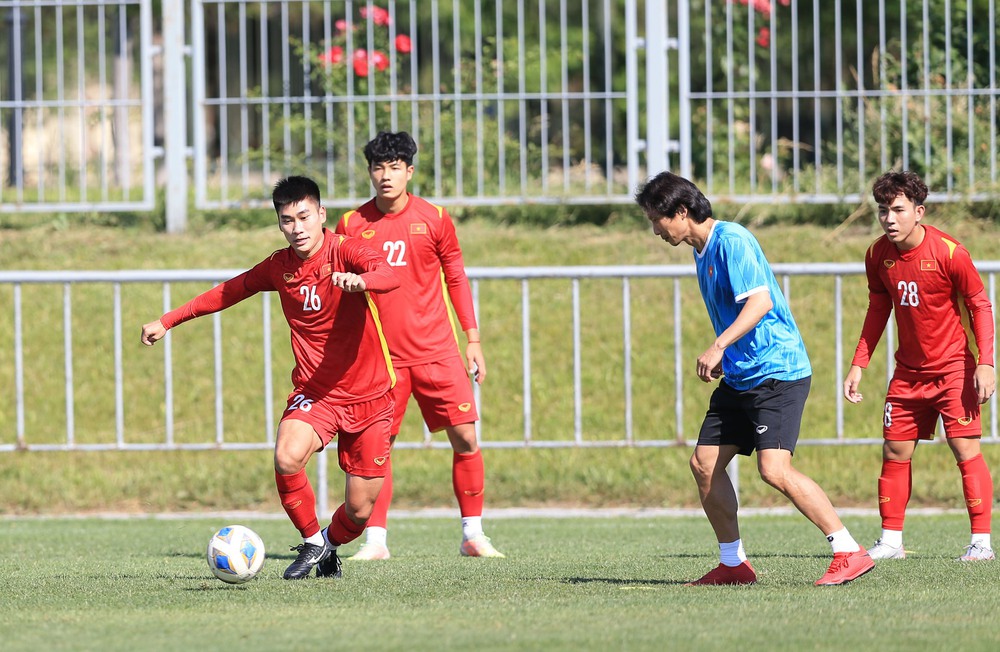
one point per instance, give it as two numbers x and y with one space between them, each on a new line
235 554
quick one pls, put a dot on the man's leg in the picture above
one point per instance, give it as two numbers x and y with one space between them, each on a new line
718 499
895 484
977 487
295 445
850 560
468 477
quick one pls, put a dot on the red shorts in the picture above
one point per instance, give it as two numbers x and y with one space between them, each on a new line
912 408
443 392
362 430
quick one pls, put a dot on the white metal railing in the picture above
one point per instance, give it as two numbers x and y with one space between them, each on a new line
15 435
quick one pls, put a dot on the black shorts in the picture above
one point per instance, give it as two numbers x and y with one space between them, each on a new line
766 416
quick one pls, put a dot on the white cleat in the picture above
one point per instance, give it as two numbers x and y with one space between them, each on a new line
371 552
479 546
977 552
885 551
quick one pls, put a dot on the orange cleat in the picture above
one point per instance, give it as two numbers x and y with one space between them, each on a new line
845 567
722 575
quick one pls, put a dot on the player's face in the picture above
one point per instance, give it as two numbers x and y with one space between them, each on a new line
671 229
302 224
389 179
900 220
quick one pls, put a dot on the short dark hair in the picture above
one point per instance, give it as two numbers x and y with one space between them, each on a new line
294 189
387 147
664 194
893 184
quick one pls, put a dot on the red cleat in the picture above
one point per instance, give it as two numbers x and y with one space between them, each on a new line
846 566
722 575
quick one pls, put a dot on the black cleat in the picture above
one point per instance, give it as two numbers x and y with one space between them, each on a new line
309 555
329 566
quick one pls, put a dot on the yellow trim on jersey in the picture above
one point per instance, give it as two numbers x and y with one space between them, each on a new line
952 246
440 210
450 309
347 216
381 339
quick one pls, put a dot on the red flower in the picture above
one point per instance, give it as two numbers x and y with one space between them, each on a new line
361 63
333 56
763 37
403 44
379 15
380 61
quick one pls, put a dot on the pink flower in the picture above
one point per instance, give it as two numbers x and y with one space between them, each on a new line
380 61
333 56
763 37
762 6
361 63
341 25
403 44
379 15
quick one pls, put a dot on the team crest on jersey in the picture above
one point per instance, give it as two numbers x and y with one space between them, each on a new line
711 270
465 407
288 276
964 421
889 264
928 265
327 270
368 235
418 228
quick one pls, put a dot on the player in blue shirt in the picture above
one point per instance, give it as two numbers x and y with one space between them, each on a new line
760 357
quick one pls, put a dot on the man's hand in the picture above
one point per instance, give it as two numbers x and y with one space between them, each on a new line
348 282
851 384
152 332
985 382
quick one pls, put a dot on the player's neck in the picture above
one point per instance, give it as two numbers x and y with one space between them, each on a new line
913 240
392 206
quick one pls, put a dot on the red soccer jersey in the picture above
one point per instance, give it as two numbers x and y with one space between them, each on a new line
927 286
340 352
420 244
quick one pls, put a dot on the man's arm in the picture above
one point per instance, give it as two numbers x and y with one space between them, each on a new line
220 297
757 305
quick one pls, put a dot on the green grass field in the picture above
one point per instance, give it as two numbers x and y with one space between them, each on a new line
567 584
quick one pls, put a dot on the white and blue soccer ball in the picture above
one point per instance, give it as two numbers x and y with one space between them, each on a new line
235 554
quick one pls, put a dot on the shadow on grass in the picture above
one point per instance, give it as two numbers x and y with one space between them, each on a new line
614 581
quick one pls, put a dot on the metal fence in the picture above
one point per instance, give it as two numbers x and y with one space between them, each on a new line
511 101
615 386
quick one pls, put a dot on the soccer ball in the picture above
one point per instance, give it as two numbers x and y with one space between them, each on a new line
235 554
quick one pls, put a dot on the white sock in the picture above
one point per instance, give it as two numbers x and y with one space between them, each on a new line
732 554
892 538
316 539
842 541
472 527
981 539
376 535
326 537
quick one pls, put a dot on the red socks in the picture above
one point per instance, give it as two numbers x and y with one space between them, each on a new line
342 529
977 485
894 493
469 479
299 501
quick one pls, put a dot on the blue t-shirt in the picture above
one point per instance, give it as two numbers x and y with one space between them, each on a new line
731 267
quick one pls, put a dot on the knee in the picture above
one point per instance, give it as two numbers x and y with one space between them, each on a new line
286 463
699 469
773 475
359 511
463 439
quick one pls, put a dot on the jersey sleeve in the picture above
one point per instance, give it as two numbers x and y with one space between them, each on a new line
879 309
743 263
222 296
970 286
453 266
361 259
